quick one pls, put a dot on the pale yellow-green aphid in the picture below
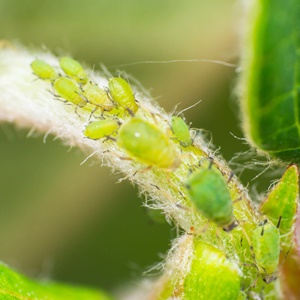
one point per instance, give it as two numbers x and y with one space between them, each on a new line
100 129
97 97
122 94
73 69
69 90
266 248
181 131
146 143
43 70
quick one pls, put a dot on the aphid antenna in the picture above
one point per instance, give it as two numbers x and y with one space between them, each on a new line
213 61
174 109
189 107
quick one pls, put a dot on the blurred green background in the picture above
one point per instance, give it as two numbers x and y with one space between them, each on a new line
73 223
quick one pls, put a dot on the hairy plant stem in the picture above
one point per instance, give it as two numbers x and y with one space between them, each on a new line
28 103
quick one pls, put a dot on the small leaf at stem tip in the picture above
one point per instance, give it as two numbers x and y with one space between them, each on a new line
282 202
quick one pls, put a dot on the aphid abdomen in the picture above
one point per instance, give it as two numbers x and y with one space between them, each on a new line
208 190
100 129
181 131
69 90
97 96
121 92
146 143
73 69
43 70
266 247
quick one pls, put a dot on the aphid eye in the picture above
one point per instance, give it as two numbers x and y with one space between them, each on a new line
43 70
73 69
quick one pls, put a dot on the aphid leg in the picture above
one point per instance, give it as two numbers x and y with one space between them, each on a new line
93 111
245 234
114 140
230 177
238 200
211 162
130 111
230 226
144 170
76 112
155 186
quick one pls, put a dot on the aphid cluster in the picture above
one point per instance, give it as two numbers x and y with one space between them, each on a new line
115 107
120 121
116 116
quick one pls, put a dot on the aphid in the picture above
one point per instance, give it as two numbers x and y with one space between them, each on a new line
69 90
122 94
100 129
43 70
266 249
148 144
98 97
209 192
181 131
73 69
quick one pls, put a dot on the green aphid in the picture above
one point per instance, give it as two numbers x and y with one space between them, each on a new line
100 129
97 97
181 131
208 191
73 69
266 248
43 70
69 90
121 93
148 144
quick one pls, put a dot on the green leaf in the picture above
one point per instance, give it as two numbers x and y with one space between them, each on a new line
282 202
212 276
271 82
16 287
